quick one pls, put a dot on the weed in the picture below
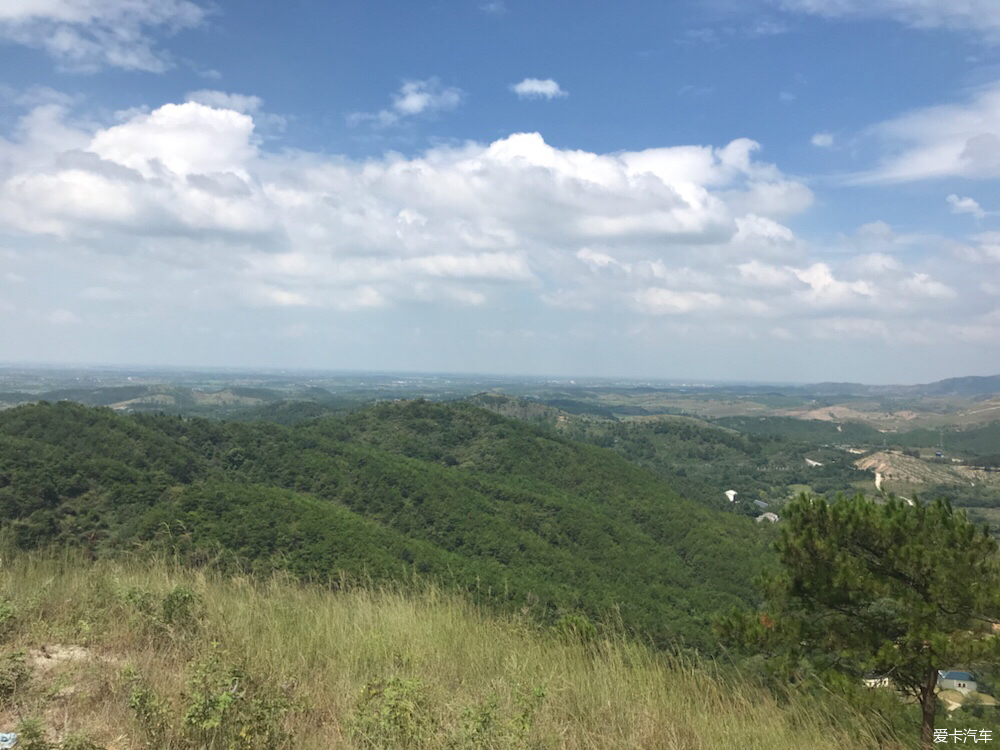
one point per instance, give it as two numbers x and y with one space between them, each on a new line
151 713
31 736
226 707
391 714
8 618
181 608
576 628
77 741
15 676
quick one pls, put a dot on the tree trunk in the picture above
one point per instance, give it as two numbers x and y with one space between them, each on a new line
928 707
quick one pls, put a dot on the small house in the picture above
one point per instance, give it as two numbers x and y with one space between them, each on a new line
963 682
767 517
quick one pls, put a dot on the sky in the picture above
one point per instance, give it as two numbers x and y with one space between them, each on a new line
762 190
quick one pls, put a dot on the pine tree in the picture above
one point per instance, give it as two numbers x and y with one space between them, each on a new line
895 590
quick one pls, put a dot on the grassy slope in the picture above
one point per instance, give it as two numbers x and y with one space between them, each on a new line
493 505
175 659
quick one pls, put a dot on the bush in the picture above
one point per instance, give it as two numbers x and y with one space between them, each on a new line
392 714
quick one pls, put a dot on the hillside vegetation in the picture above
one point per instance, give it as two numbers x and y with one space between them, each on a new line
511 513
131 655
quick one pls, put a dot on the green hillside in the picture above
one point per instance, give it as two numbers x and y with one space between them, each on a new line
139 654
507 511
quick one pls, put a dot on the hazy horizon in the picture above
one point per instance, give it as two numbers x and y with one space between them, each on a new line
273 372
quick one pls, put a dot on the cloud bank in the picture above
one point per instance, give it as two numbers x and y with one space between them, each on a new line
181 211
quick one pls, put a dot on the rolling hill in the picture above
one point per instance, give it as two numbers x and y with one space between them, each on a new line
510 512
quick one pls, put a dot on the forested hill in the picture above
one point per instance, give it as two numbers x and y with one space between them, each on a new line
506 510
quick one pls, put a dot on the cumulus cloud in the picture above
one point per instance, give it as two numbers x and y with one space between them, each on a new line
973 15
453 218
954 140
413 98
537 88
86 35
965 206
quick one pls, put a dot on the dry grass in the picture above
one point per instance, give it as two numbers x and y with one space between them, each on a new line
366 668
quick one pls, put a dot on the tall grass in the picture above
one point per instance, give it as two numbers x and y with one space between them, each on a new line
182 659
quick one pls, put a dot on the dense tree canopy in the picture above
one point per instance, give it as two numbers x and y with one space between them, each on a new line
511 512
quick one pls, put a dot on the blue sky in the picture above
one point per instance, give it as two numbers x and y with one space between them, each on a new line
785 190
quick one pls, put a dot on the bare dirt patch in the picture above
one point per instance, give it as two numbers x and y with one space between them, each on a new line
894 466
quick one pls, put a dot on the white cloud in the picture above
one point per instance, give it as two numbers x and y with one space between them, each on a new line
972 15
822 140
537 88
986 249
185 139
922 285
758 274
495 7
184 208
86 35
441 225
824 290
965 206
598 261
660 301
222 100
955 140
876 264
413 98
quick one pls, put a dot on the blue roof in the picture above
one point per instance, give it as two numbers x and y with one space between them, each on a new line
955 676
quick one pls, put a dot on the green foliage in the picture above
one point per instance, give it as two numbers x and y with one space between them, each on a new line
761 461
176 614
510 512
31 736
576 628
77 741
15 676
225 706
970 442
228 708
889 589
180 608
390 714
152 714
8 618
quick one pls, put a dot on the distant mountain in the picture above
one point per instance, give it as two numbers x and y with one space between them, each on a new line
969 386
972 385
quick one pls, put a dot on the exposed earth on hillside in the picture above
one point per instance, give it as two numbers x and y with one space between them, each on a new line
902 469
